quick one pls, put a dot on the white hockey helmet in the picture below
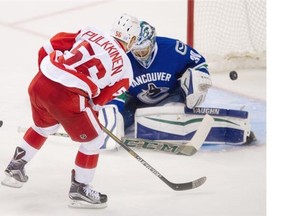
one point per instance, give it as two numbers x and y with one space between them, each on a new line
144 49
125 28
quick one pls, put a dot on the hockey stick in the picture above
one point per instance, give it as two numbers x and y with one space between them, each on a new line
155 145
175 186
23 129
188 149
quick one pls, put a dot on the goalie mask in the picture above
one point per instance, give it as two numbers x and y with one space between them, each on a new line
143 50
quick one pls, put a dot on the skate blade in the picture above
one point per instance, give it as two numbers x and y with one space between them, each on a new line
11 182
83 204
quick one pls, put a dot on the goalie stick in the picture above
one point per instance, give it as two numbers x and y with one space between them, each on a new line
188 149
23 129
155 145
160 146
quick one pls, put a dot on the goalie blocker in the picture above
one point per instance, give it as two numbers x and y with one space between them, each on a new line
178 124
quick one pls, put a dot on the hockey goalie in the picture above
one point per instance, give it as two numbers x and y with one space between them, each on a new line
171 80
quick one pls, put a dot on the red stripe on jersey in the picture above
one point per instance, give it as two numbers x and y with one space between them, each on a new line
41 54
61 41
34 139
86 161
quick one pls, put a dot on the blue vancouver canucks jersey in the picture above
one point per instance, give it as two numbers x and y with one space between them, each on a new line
159 82
153 84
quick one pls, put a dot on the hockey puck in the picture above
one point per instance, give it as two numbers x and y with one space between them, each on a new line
233 75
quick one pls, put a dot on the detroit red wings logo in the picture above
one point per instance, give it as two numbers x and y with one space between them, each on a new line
118 34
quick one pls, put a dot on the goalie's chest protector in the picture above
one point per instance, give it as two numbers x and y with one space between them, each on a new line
153 84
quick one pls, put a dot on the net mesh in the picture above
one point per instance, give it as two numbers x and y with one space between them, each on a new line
231 34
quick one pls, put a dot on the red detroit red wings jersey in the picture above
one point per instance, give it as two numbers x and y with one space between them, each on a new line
90 63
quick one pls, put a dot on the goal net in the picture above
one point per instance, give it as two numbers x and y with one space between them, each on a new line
231 34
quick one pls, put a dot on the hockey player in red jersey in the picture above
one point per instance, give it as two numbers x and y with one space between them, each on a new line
78 74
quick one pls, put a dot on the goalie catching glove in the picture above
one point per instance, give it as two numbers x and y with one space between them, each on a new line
195 85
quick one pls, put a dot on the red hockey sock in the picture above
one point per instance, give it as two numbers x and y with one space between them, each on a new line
34 139
86 161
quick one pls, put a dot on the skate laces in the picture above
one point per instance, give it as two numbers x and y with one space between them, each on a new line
91 193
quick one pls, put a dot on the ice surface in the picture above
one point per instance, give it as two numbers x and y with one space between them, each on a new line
236 184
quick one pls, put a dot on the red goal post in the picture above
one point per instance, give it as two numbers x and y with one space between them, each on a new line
231 34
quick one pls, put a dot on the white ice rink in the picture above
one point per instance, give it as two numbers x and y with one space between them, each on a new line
236 176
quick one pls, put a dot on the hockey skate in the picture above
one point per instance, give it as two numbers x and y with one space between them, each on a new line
15 172
83 196
251 138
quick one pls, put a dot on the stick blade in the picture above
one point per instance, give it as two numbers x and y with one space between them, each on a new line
188 185
187 150
198 182
199 137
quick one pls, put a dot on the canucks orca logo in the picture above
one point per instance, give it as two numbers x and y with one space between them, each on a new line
153 94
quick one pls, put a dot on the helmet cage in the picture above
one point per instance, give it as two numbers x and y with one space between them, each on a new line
145 45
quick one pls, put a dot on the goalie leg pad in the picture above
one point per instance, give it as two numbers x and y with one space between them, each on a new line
112 119
173 124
